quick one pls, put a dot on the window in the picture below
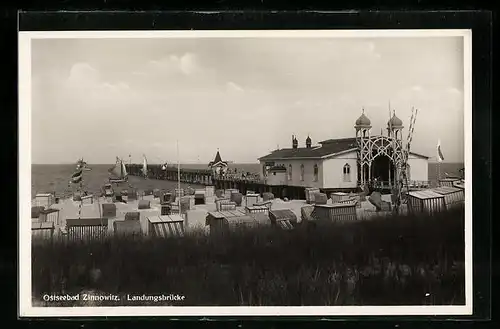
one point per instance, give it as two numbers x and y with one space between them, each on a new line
289 172
347 173
302 172
315 172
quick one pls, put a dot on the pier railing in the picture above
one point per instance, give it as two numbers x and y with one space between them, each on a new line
414 184
249 181
193 176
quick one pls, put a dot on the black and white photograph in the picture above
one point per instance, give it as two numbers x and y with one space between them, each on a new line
216 173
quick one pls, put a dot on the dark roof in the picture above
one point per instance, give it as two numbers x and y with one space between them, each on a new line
217 160
217 157
329 146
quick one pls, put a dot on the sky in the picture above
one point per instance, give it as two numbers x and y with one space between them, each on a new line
102 98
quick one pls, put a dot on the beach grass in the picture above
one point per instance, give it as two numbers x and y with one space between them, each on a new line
396 260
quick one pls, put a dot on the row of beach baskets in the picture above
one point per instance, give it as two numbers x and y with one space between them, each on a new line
315 197
85 229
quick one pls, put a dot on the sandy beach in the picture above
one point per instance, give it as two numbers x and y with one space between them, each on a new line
194 219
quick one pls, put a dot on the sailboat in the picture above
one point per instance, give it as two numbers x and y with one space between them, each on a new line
144 169
118 172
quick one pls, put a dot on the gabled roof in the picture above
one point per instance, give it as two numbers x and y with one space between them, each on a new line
217 157
217 161
329 147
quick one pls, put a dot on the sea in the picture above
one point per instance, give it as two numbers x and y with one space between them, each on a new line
49 178
54 178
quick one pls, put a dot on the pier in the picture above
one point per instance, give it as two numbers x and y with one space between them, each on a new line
206 177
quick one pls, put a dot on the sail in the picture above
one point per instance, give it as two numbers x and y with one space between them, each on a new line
116 171
124 170
144 166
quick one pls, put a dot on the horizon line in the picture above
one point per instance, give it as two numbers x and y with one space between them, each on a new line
198 163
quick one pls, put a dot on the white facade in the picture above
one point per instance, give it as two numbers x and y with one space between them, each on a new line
341 171
277 178
320 173
299 177
338 171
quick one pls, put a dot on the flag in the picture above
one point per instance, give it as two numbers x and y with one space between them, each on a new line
440 157
77 176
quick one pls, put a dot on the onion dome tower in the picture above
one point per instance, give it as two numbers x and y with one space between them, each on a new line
363 141
395 126
362 125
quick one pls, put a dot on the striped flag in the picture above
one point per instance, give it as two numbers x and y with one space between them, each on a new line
77 176
440 157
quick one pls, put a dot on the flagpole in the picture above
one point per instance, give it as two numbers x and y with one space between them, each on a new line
80 167
179 176
439 172
439 160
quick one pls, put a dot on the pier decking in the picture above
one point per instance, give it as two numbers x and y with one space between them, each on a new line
244 184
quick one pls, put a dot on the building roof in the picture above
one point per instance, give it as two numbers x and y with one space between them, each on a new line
217 161
329 147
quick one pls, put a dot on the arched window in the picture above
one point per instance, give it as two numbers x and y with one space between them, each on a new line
289 172
302 172
316 172
347 172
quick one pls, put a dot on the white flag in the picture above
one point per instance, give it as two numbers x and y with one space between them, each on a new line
440 157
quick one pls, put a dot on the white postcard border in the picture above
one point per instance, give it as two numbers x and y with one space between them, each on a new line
25 299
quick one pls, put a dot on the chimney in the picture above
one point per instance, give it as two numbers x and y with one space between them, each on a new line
295 142
308 142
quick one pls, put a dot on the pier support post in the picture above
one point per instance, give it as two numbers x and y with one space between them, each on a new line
390 185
